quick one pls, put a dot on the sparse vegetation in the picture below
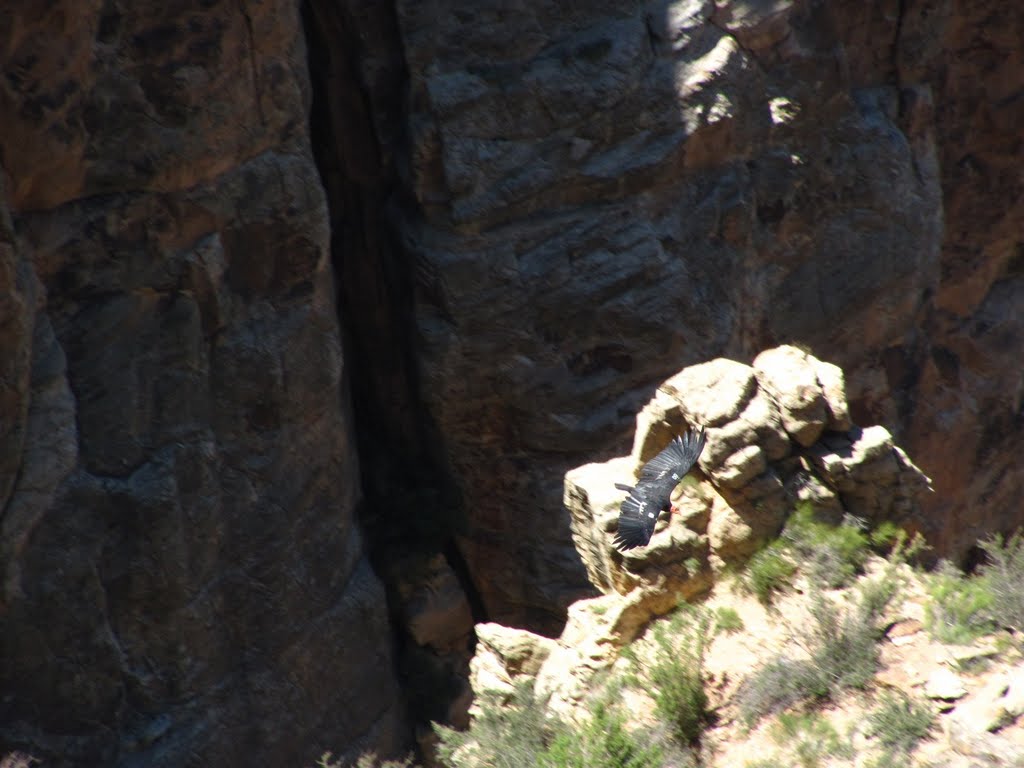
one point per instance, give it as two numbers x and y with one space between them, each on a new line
807 740
838 651
678 672
843 642
887 537
630 676
961 608
830 555
811 739
779 683
518 735
1004 573
964 608
768 573
900 722
603 742
728 620
842 653
890 759
508 736
692 565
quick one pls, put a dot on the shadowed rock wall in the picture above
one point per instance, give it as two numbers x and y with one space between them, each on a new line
183 582
538 214
962 396
605 196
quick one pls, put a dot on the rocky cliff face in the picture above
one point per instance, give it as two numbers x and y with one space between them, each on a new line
535 216
605 196
183 581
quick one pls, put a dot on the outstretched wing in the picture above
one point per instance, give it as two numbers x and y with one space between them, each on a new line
676 460
637 518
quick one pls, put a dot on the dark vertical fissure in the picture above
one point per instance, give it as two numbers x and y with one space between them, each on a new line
410 500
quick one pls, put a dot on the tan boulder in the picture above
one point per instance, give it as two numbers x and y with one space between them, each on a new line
944 684
741 467
712 393
656 424
833 388
874 478
593 503
676 556
504 656
1013 697
995 705
732 538
790 377
774 441
984 750
596 630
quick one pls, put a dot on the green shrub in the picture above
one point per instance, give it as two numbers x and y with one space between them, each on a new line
768 573
899 722
807 740
842 653
887 536
518 735
678 672
844 643
603 743
892 759
1004 573
778 684
961 608
510 736
728 620
830 555
811 739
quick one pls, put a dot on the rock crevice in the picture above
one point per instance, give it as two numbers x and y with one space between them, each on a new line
412 509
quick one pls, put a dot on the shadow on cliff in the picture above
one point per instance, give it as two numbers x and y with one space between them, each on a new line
411 507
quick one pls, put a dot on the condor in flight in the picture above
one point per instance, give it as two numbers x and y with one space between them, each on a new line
653 492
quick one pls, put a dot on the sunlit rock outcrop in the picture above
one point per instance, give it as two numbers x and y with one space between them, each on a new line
779 435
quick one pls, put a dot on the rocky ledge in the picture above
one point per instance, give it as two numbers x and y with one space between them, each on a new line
779 435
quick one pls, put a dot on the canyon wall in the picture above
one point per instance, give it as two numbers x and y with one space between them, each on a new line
183 578
606 195
289 290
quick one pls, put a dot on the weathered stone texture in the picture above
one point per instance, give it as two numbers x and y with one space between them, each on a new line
504 657
588 199
183 582
605 196
106 97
